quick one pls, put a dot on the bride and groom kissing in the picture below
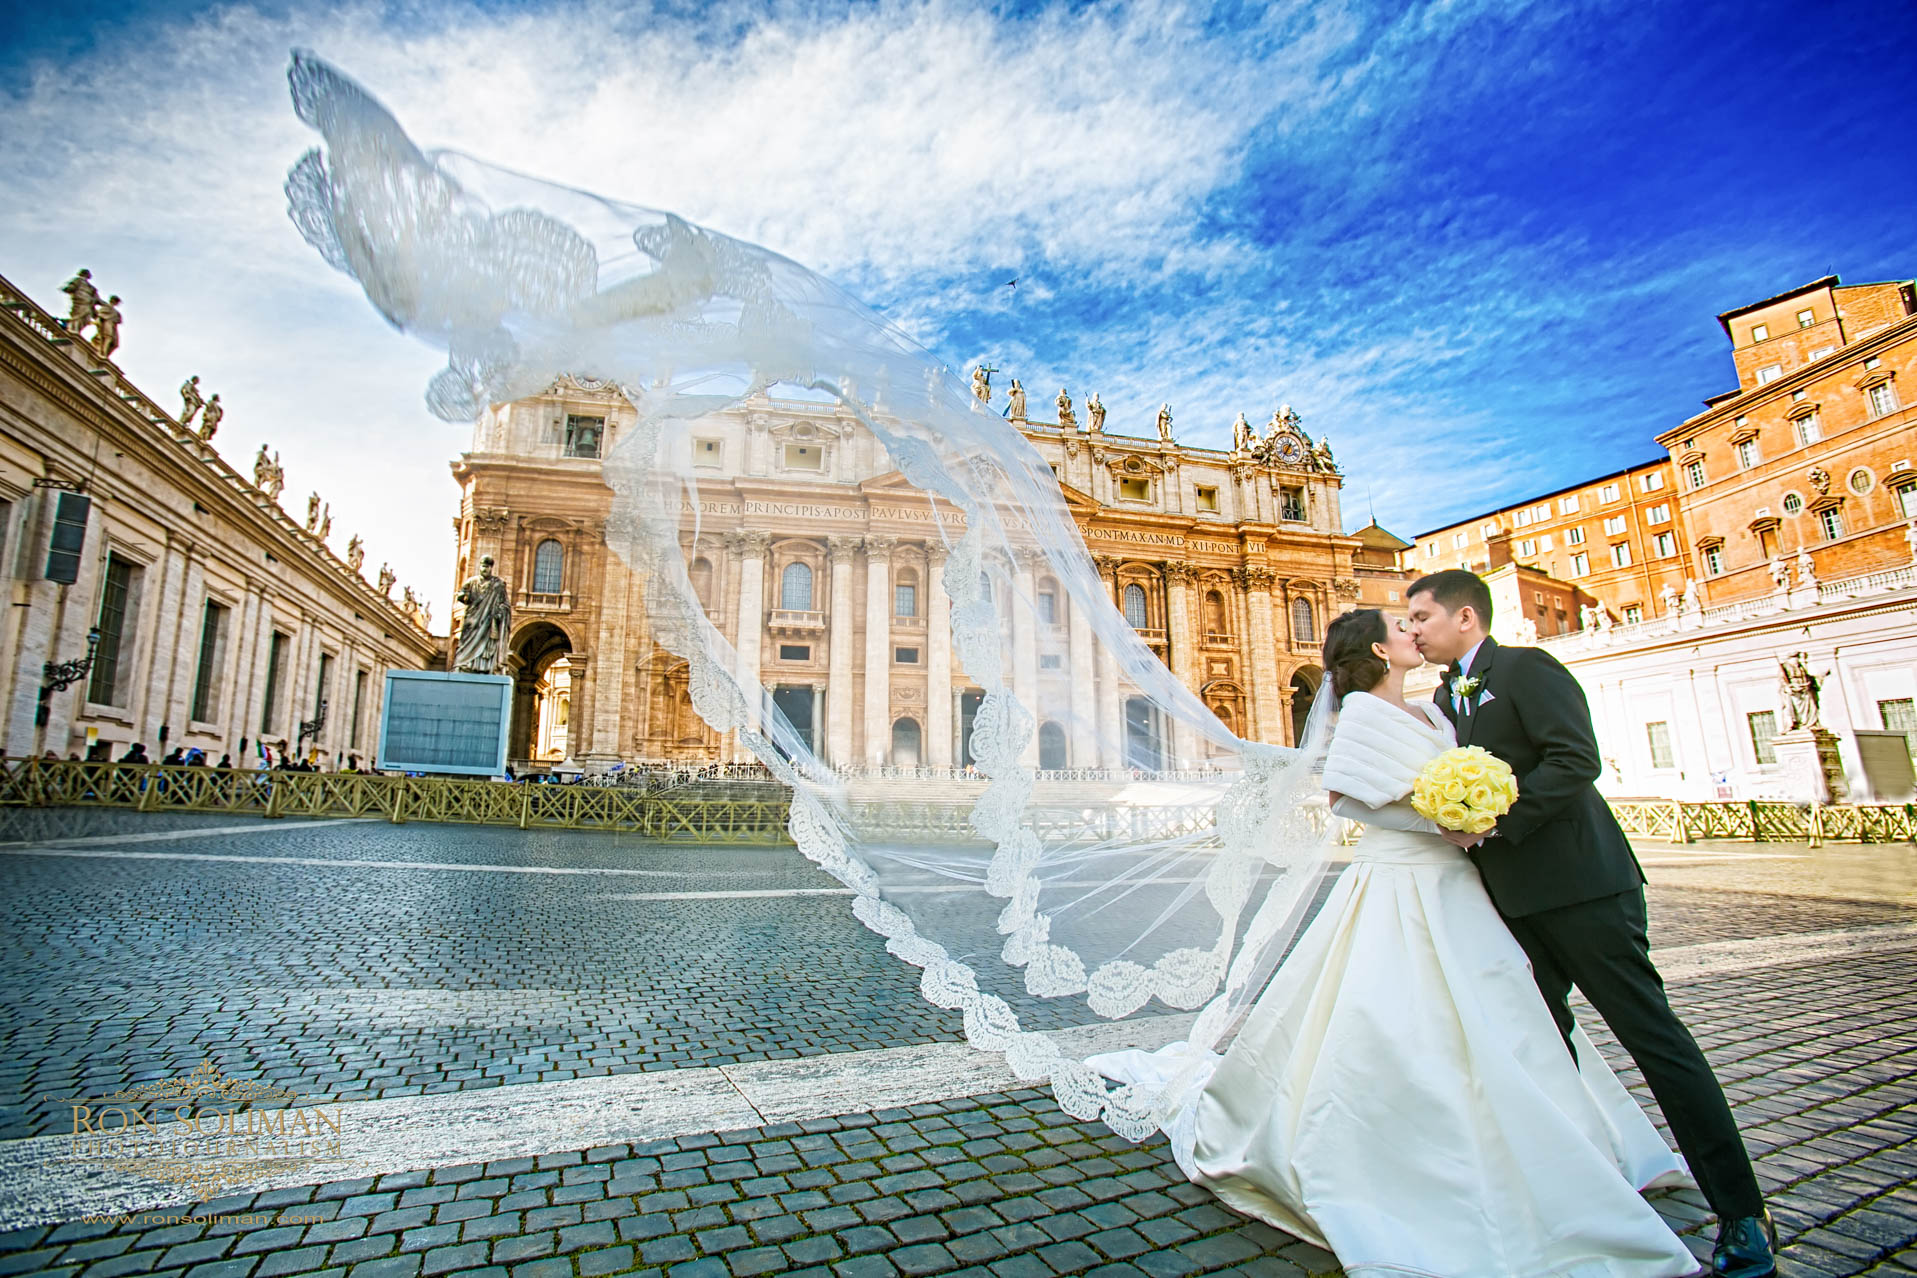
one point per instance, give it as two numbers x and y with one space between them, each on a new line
1411 1090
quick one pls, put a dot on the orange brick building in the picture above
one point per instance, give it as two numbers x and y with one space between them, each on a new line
1618 539
1813 450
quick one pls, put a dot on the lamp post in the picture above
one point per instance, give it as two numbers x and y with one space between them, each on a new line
57 676
311 727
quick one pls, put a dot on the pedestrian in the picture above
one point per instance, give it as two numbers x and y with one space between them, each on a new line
226 763
173 758
136 754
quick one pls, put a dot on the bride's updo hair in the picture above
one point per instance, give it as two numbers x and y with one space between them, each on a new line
1350 664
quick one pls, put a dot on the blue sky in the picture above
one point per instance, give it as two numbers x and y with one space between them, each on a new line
1479 245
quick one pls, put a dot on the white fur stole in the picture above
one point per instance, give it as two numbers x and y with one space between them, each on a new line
1377 750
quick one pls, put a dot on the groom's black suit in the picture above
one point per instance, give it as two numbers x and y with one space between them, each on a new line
1565 879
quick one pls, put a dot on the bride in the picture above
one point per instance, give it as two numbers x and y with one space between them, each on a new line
1399 1094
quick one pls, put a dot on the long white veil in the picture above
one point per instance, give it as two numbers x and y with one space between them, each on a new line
1136 891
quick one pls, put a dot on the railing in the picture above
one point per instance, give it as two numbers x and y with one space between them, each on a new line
929 772
792 619
1767 821
1873 583
151 787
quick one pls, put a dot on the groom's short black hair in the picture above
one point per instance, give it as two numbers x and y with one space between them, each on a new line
1453 588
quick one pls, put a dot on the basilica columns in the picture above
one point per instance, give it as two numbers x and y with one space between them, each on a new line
878 648
1025 647
1182 648
1084 692
938 643
749 549
838 696
1111 724
1266 714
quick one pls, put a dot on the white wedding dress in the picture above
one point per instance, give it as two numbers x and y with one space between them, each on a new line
1399 1094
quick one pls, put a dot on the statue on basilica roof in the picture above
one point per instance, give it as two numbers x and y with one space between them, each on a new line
1067 419
1095 408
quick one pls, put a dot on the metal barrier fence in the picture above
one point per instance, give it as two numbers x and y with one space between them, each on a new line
711 817
151 787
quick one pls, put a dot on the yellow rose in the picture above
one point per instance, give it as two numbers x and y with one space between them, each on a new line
1454 791
1452 816
1471 770
1481 796
1480 822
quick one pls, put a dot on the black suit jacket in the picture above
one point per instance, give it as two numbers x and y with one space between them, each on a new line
1559 843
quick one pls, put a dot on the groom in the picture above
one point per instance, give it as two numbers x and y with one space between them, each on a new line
1563 876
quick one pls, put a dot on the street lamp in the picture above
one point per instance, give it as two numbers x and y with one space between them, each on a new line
58 676
311 727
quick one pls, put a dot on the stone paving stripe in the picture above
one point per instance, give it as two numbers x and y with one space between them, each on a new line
166 836
416 1132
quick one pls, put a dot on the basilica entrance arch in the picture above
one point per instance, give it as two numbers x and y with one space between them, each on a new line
538 690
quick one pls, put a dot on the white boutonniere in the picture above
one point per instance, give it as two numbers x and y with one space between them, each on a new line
1464 685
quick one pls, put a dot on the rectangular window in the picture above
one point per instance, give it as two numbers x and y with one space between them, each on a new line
583 435
116 594
1141 490
795 652
1654 482
206 682
1660 736
1804 319
1544 543
1760 332
1621 554
1461 540
1608 493
1907 501
1527 547
1431 550
1522 519
1291 502
1051 661
1883 399
1900 715
804 457
1831 520
1747 453
906 656
275 662
1763 727
1766 543
1633 613
1809 431
905 600
1614 525
1580 565
706 452
1207 497
323 692
1659 514
1694 474
1574 536
1665 545
1047 608
69 537
1714 560
1821 352
1769 373
1568 505
359 709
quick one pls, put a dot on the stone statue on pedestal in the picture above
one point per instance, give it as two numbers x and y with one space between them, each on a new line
1693 598
1806 570
1780 574
84 297
1667 597
106 326
1164 424
211 417
1016 411
982 384
355 552
1095 409
486 623
325 528
312 511
1800 690
1243 438
1067 419
386 579
191 401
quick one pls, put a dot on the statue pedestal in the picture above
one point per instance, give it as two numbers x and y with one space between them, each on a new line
1813 768
1804 596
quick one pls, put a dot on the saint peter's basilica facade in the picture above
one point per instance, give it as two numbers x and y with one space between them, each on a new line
820 565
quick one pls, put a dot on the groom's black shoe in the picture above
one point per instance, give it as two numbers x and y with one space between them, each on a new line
1744 1248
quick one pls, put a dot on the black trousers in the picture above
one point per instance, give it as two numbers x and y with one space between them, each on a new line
1602 948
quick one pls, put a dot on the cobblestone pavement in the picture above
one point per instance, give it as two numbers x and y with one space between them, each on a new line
332 980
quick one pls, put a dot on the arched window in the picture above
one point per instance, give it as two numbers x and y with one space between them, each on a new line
1051 746
905 594
1135 606
795 588
549 568
1304 625
1215 622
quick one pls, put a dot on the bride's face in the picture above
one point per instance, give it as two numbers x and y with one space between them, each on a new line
1399 648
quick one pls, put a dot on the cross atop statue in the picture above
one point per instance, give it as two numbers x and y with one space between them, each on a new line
982 383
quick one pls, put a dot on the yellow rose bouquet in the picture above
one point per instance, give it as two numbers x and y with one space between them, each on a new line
1467 788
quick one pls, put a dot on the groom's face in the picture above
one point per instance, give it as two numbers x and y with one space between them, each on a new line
1438 632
